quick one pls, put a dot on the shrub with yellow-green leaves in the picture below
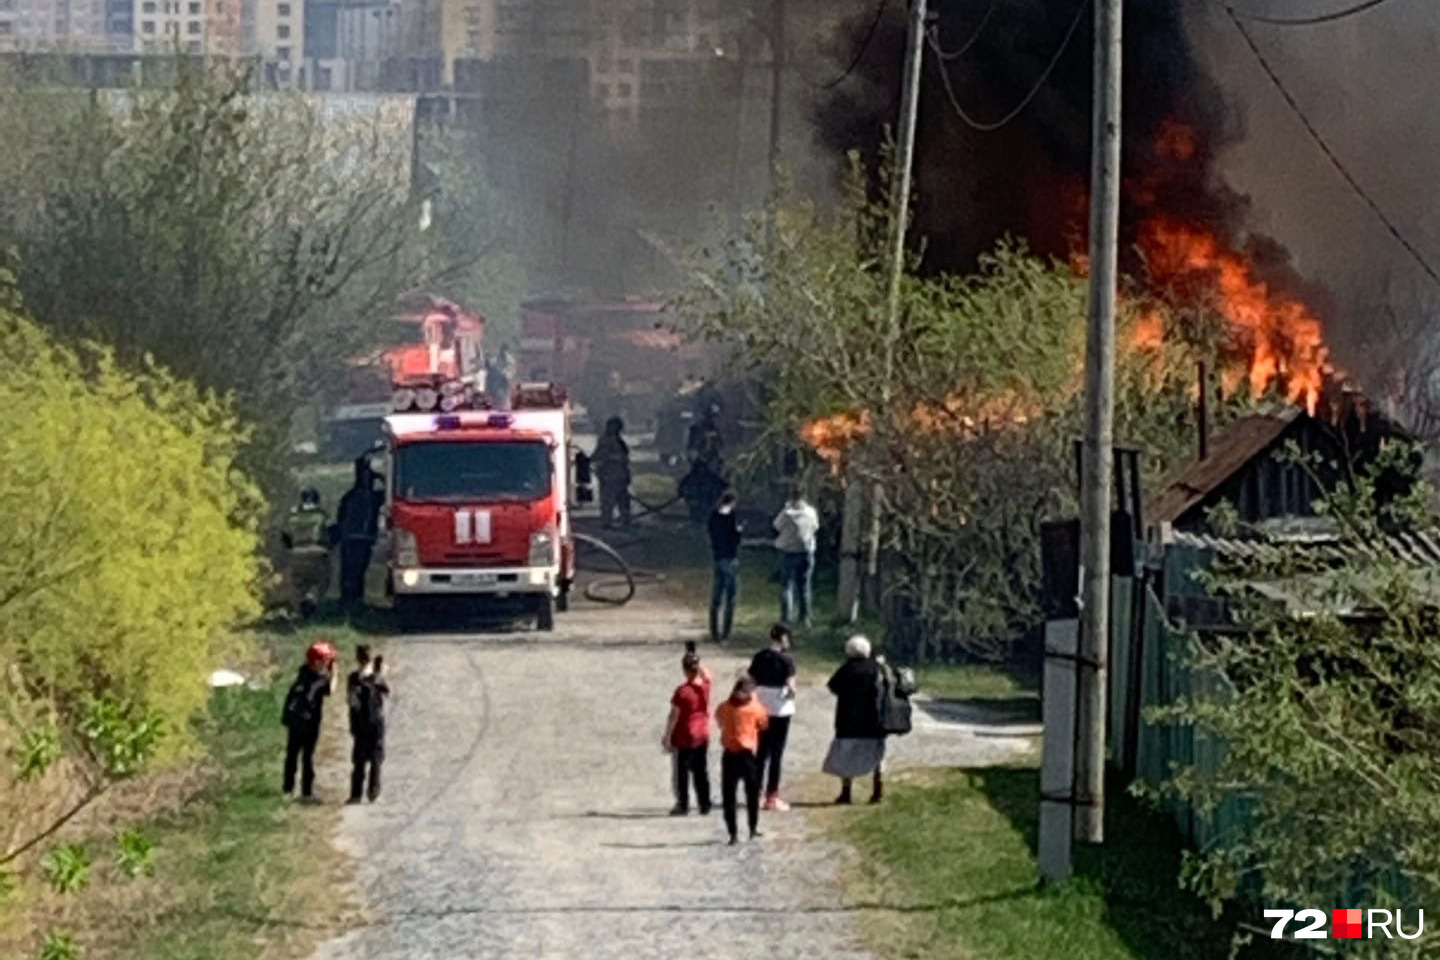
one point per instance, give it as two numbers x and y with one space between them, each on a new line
128 559
128 551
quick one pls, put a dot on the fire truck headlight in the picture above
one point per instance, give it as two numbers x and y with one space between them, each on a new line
542 549
407 551
411 578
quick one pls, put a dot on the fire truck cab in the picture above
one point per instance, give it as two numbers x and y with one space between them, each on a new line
477 506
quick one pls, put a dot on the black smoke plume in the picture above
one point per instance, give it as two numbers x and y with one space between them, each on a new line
1030 178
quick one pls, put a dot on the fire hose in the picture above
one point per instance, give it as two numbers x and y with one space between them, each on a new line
626 578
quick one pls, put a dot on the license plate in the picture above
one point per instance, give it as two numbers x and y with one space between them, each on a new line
475 579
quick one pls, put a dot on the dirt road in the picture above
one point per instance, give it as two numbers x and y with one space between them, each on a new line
525 810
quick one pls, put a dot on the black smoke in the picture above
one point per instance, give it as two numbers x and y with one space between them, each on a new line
1029 179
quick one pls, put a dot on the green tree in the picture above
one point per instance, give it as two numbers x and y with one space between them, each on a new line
1326 709
252 243
974 448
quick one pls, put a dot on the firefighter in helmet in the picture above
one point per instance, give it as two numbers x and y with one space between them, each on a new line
306 538
705 443
611 462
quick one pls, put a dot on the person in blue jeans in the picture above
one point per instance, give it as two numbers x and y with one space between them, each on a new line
725 548
796 527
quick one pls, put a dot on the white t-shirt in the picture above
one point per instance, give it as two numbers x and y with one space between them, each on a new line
775 702
796 527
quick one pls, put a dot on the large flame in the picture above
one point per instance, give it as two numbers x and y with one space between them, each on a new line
1276 334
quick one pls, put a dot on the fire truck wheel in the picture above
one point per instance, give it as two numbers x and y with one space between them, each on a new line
545 614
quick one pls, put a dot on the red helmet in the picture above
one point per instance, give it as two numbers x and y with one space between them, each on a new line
320 654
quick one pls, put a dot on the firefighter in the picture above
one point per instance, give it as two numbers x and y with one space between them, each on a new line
705 445
611 463
356 520
306 537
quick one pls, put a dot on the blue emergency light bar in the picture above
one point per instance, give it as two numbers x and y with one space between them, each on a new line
452 421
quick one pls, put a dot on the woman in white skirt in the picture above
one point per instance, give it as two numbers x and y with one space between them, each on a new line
859 745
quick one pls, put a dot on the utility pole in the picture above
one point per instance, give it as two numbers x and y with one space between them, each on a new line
777 87
900 186
1095 492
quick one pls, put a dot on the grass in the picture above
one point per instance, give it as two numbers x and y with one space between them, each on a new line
950 860
241 873
821 649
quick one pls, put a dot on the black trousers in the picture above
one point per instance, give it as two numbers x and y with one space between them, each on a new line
354 558
366 757
300 752
692 765
737 767
772 751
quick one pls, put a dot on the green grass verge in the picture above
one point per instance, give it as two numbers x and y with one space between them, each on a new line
245 873
949 861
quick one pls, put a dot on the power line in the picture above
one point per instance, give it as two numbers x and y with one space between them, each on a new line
1329 153
1304 21
864 48
979 30
989 127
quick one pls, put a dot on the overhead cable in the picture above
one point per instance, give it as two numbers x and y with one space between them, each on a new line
979 30
1330 154
1310 21
990 126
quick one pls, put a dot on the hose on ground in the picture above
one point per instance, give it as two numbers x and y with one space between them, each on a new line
626 578
651 508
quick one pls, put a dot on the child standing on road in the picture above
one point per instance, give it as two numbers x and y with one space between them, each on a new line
742 719
687 735
366 689
303 713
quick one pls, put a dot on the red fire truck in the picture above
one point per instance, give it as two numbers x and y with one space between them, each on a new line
477 507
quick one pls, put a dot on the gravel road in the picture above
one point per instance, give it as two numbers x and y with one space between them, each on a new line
525 809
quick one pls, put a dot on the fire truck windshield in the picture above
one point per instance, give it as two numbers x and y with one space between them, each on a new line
496 470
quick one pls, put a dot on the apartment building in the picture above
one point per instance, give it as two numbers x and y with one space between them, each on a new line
640 53
276 35
62 26
211 27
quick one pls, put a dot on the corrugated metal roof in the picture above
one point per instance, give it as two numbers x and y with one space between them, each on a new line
1420 548
1230 449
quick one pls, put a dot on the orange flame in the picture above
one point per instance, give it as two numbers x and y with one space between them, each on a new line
831 436
1282 342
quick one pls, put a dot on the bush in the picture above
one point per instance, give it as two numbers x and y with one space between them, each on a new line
129 548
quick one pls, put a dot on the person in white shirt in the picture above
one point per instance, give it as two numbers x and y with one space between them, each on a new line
773 671
796 528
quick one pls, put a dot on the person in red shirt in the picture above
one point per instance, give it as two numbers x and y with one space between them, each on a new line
742 719
687 736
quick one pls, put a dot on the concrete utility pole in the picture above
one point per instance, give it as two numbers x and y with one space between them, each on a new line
1095 492
900 186
777 89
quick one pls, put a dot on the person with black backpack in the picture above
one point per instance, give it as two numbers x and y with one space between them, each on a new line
303 714
366 689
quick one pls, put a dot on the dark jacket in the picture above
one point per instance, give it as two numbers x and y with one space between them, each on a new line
857 699
724 535
305 702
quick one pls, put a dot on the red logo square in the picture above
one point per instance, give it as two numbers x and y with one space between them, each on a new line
1345 924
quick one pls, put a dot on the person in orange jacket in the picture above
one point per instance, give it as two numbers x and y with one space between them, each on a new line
742 719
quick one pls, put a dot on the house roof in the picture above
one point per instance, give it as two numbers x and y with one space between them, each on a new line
1230 449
